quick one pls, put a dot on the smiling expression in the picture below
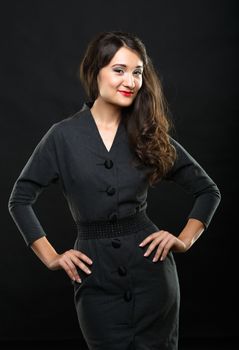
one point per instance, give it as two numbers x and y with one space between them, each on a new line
120 81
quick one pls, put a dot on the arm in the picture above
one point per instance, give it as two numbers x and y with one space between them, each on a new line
190 233
188 174
40 171
167 241
54 261
44 251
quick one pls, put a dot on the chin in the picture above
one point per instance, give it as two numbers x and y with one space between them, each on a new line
120 102
125 103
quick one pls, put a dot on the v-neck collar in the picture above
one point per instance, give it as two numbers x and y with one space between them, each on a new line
96 132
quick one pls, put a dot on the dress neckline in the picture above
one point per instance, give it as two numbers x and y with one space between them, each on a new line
97 132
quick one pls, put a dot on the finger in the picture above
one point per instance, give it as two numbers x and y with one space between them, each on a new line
152 246
167 248
163 249
81 265
68 269
149 238
82 256
155 242
72 268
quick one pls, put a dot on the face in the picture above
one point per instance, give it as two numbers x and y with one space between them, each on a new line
120 81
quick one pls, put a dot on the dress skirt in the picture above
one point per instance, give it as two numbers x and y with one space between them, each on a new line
128 302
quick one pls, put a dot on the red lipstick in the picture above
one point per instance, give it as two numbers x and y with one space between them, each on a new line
126 93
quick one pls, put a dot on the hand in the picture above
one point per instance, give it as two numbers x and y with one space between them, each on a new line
68 261
165 241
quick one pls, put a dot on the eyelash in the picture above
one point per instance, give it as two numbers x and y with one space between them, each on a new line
121 70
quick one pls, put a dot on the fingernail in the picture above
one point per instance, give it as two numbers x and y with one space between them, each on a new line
91 262
145 254
78 280
88 271
140 244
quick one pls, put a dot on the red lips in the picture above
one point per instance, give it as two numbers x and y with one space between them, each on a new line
126 93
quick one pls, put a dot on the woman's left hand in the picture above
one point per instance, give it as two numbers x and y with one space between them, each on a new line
165 242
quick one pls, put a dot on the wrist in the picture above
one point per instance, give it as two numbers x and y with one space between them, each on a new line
50 260
191 232
187 243
44 251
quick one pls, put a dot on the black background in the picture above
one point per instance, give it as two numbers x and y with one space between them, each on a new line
193 45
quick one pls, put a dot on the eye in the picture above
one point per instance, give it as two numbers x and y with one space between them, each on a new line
138 72
118 70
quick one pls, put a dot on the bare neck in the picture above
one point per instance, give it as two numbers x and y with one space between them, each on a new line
106 114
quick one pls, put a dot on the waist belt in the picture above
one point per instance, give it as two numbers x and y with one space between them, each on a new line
119 227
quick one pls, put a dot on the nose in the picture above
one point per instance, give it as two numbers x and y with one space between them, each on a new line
129 81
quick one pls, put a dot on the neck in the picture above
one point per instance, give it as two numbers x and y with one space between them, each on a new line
106 113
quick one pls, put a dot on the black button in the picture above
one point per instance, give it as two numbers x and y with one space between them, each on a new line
113 216
116 243
108 163
128 295
122 270
110 190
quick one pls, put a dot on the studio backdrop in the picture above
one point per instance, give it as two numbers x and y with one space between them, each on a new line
193 46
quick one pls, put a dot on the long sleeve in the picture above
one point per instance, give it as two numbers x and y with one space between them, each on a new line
188 174
40 170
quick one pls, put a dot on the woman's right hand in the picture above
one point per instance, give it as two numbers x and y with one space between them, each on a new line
68 262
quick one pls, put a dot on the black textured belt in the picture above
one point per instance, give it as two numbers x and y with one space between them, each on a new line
119 227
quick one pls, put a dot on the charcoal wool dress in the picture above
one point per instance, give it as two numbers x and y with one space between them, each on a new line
128 302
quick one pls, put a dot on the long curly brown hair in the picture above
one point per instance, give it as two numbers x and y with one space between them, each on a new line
147 118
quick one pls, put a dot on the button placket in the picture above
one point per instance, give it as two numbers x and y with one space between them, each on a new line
116 243
128 295
108 163
110 190
122 270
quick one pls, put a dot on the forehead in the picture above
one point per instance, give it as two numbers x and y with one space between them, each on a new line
126 56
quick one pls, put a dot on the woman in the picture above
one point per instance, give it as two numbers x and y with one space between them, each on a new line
104 158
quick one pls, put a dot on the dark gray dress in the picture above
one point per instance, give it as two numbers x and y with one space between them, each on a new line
128 302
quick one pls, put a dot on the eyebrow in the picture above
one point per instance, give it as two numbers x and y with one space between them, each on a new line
124 65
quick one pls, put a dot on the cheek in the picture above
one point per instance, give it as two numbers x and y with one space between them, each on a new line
115 82
109 84
139 83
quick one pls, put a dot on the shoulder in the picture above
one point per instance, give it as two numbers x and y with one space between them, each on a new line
175 143
184 160
69 125
180 149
